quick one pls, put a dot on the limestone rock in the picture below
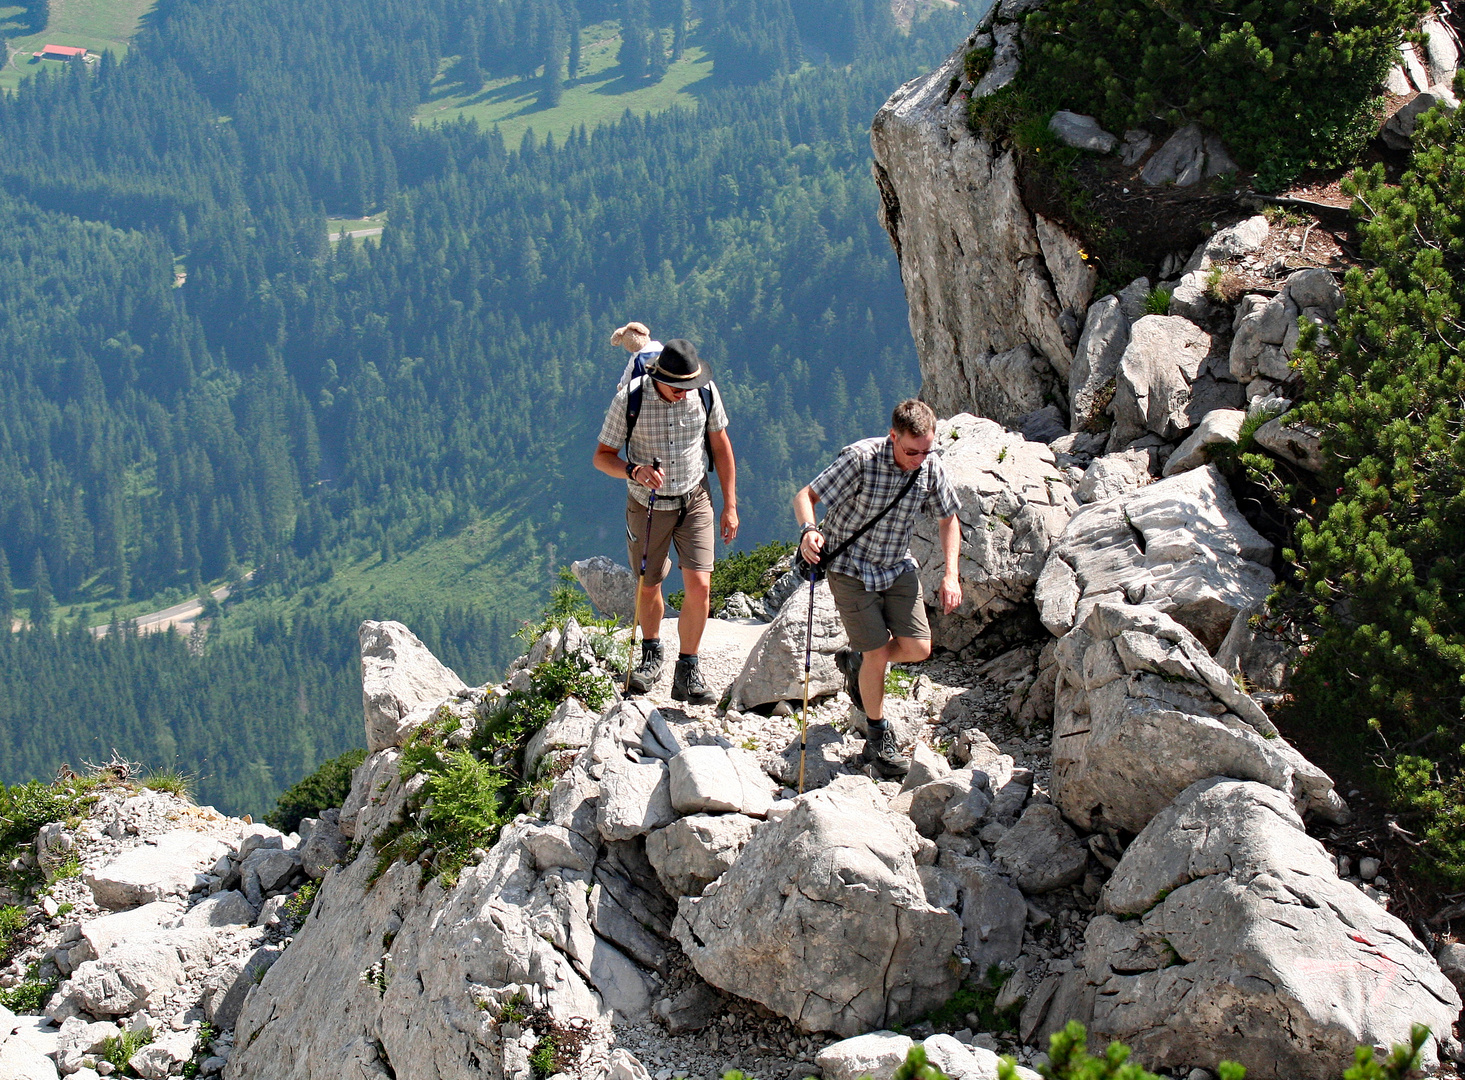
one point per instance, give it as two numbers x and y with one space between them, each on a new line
1314 287
1096 358
1013 504
988 331
1451 958
1261 656
993 911
325 848
398 674
823 917
712 779
1398 130
228 908
1142 712
1249 947
1082 132
163 867
1265 324
1041 852
1074 275
875 1055
164 1056
1179 544
1441 54
1164 356
77 1039
1191 298
1113 475
1046 425
132 975
774 669
1299 443
1221 427
610 586
1229 243
570 727
634 799
102 933
692 852
1180 161
230 983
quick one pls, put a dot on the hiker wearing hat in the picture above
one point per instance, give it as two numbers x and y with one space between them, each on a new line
673 415
874 490
636 339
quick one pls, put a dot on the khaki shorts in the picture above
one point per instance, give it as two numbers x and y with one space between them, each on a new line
870 618
693 537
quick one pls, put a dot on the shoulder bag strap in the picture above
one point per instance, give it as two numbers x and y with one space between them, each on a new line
828 559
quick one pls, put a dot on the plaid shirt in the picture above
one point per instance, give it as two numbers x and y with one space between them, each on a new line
670 430
857 486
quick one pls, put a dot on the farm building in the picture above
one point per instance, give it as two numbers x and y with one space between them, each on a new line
61 52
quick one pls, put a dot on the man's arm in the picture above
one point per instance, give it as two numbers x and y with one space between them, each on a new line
609 461
727 475
811 541
950 591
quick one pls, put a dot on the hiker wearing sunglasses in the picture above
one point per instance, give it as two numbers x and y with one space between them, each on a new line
673 414
874 491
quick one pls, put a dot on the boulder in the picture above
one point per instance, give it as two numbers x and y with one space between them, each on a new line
1239 941
230 982
1041 852
557 846
266 873
1261 658
165 1056
1191 298
1299 443
823 917
712 779
1451 958
1074 276
1164 356
20 1061
132 975
1441 55
164 866
1398 130
1314 287
569 727
326 847
1221 427
989 332
1181 160
1260 334
1137 144
1142 712
398 674
1081 132
610 586
774 669
1096 359
1179 544
1013 504
99 935
76 1039
1043 426
875 1055
228 908
993 911
634 799
1229 243
1114 474
254 837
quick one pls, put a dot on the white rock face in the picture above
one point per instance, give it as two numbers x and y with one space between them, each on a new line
1142 712
1220 427
1096 357
694 851
101 934
398 675
1164 356
876 1055
1179 544
1113 475
710 779
1297 442
774 670
1249 947
987 330
1083 132
1041 852
1014 503
161 869
634 799
824 919
610 586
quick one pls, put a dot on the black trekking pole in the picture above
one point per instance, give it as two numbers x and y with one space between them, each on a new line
640 578
808 663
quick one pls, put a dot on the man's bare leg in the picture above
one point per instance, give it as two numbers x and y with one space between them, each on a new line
693 620
898 650
653 607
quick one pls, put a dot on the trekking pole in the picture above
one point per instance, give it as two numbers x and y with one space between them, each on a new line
640 577
808 663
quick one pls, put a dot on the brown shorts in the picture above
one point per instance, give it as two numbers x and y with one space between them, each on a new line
870 618
694 536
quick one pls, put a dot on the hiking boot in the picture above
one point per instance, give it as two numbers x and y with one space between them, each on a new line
848 662
882 752
687 684
644 677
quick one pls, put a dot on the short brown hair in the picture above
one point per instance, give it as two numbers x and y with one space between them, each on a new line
913 417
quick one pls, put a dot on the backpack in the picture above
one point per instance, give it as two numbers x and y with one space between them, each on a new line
633 410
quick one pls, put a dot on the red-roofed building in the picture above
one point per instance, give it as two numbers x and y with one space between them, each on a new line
61 52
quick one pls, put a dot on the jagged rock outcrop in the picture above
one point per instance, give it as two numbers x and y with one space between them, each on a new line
824 918
1014 503
399 675
774 670
989 296
1142 712
1226 933
1179 545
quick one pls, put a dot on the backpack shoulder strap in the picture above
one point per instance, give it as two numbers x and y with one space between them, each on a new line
634 390
706 394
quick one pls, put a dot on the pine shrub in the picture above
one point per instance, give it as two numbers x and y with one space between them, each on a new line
1286 85
328 786
1378 546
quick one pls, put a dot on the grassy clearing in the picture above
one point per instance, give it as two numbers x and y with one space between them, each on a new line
96 25
597 94
336 226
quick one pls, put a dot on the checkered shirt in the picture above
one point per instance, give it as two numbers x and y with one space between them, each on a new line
857 486
668 430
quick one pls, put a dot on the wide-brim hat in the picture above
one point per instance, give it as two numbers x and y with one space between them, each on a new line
679 367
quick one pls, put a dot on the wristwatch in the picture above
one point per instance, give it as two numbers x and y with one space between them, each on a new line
808 526
630 471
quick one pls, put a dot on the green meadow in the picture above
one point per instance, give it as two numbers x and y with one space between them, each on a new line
596 94
96 25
